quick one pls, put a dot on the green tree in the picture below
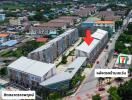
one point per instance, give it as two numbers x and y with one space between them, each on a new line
38 16
102 18
130 71
125 90
113 95
118 24
3 71
96 97
64 59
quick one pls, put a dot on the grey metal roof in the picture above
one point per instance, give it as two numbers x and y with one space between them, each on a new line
88 48
30 66
67 74
99 34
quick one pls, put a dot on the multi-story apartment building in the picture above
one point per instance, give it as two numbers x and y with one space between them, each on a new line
88 51
69 22
74 18
3 37
51 50
85 12
92 51
94 23
105 24
29 73
101 35
46 29
109 15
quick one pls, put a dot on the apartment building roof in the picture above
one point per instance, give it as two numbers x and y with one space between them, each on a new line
85 11
92 19
104 22
113 18
52 24
106 13
68 17
62 20
41 39
68 74
99 34
30 66
88 48
4 35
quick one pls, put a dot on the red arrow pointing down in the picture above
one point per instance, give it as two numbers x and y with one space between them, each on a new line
88 39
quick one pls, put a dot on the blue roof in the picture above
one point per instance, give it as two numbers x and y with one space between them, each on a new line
10 43
53 33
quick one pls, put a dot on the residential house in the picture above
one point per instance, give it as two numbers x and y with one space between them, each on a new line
105 25
46 29
85 12
4 37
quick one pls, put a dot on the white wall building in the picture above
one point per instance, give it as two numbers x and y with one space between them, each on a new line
105 24
92 51
30 73
51 50
101 35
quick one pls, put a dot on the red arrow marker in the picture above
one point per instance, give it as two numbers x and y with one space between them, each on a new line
88 39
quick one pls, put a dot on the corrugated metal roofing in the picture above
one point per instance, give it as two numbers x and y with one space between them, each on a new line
99 34
10 43
31 66
88 48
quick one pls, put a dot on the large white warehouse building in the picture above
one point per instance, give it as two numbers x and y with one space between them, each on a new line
29 73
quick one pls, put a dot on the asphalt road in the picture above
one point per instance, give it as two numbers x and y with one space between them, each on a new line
91 81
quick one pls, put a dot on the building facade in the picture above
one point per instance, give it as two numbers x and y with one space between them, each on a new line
29 73
54 48
92 51
63 80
